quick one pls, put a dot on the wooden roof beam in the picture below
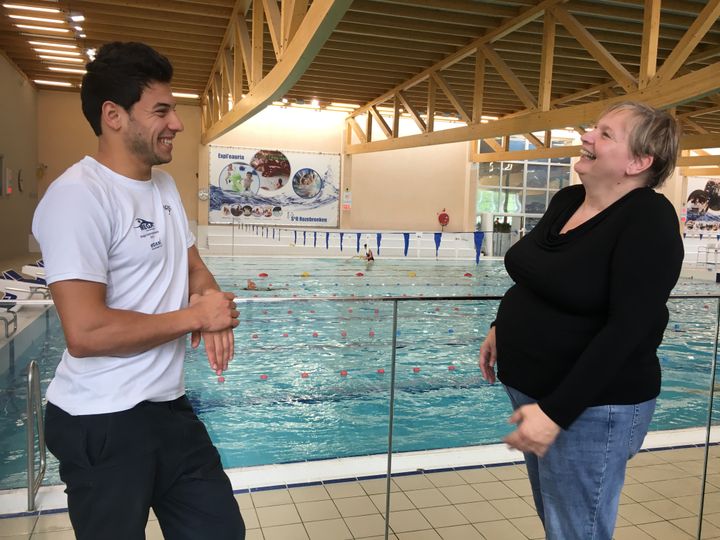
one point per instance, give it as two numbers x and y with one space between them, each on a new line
170 6
256 43
547 55
679 90
272 14
649 49
381 122
689 41
452 96
502 30
510 78
412 111
614 68
317 25
292 15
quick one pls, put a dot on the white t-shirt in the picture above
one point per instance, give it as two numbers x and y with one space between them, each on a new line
96 225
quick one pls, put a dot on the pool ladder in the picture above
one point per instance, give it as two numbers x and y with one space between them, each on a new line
34 415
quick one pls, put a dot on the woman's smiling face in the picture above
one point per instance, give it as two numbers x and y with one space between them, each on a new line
606 154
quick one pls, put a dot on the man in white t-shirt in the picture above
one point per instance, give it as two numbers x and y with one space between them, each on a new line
129 285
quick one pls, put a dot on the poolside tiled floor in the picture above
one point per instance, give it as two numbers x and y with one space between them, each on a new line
660 501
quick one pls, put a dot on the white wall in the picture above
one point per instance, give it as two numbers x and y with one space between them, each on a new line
18 146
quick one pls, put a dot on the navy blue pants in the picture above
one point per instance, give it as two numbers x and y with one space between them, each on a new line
117 466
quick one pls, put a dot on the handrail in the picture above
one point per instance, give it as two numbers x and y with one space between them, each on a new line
369 298
34 412
8 322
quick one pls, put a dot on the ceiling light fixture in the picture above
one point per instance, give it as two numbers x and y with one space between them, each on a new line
37 19
62 52
49 44
187 95
68 70
43 28
61 58
31 8
52 83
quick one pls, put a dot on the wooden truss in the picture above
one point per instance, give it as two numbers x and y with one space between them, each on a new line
667 85
241 84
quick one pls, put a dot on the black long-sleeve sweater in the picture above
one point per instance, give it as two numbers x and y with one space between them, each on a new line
582 324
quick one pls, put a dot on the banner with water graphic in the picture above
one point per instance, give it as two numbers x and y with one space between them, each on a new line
273 187
701 212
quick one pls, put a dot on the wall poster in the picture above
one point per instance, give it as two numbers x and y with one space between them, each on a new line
273 187
702 205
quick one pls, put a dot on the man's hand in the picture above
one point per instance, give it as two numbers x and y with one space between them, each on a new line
218 317
219 347
535 432
488 356
215 310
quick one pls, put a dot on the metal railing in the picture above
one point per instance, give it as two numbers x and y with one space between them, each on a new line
34 417
9 318
34 401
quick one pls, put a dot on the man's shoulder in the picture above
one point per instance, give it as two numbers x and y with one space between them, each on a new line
82 173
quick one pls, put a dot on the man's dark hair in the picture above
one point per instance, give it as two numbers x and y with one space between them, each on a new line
119 73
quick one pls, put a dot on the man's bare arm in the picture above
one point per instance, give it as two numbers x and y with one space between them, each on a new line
93 329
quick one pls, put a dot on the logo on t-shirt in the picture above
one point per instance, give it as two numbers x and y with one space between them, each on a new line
144 225
146 229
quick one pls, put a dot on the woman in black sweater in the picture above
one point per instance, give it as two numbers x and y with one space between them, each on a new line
576 337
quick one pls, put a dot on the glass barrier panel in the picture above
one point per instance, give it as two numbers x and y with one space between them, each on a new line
39 337
449 422
664 481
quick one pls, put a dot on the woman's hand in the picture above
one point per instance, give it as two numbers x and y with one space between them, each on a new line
535 432
488 357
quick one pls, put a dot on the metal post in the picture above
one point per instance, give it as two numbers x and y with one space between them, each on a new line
34 413
232 229
391 418
713 364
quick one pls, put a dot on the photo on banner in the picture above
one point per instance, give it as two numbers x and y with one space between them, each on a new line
273 187
702 206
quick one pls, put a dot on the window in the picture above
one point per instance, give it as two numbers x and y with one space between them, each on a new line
521 189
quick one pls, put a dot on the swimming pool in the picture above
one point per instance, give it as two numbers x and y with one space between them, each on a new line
311 377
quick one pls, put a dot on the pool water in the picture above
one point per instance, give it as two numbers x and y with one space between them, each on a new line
311 376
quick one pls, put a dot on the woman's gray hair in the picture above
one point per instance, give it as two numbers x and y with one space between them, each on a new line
655 133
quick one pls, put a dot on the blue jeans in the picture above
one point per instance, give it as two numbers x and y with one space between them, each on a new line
577 484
